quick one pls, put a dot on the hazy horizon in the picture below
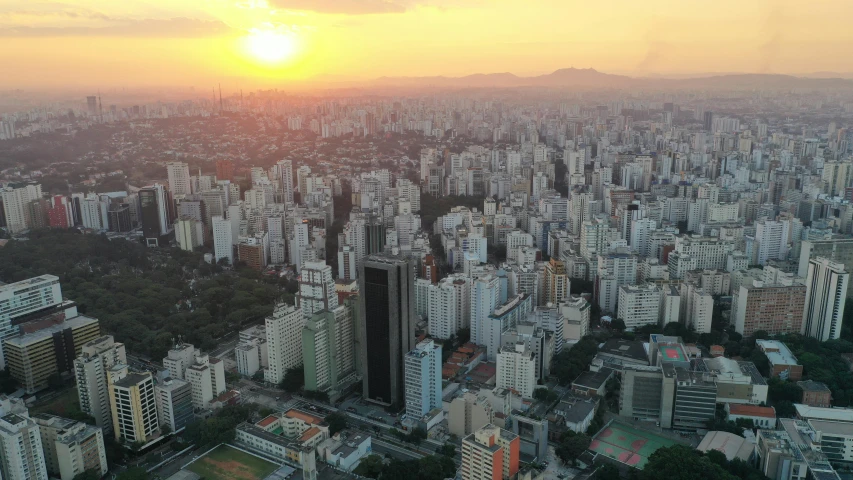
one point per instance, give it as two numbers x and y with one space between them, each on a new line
264 43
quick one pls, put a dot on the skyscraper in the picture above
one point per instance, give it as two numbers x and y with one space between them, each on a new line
328 349
179 178
423 378
156 213
316 289
134 407
222 239
826 294
90 371
286 169
386 334
284 341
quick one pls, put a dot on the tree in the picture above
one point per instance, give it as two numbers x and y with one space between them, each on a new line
681 462
294 379
572 445
135 473
88 475
448 450
618 324
337 422
607 471
370 466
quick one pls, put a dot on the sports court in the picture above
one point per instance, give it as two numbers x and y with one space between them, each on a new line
627 444
673 354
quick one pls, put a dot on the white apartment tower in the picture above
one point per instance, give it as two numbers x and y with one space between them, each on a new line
96 358
284 341
179 178
316 289
516 369
22 453
826 295
223 238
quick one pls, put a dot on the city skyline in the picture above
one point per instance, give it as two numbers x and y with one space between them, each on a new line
258 43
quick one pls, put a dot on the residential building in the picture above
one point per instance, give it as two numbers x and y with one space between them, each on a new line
423 378
292 436
189 233
316 289
328 349
206 376
774 308
387 308
639 305
223 247
826 296
179 178
576 314
284 341
490 453
174 403
533 435
133 404
71 447
468 413
516 369
838 250
556 284
96 358
22 450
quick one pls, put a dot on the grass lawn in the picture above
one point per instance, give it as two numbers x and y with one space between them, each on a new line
228 463
61 405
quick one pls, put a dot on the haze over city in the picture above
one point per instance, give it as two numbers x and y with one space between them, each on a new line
249 43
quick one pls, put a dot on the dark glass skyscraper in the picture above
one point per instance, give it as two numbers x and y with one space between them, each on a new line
386 331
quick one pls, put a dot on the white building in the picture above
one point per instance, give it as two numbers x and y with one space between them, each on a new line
22 453
316 289
826 296
485 297
702 310
179 178
639 305
71 447
206 376
449 306
223 239
284 341
771 237
576 313
423 378
516 369
96 358
189 233
24 298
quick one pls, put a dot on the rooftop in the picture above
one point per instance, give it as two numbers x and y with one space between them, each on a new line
777 352
821 413
812 386
751 410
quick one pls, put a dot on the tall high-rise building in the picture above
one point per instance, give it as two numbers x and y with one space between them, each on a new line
22 453
386 333
774 308
485 298
284 341
174 403
316 289
179 178
206 376
490 453
826 295
328 349
15 206
516 368
223 247
286 170
90 370
423 378
134 407
155 211
449 306
557 285
36 296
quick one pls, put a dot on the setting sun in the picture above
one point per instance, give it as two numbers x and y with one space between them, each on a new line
270 46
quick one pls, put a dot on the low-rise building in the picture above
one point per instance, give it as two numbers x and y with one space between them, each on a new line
762 417
815 394
783 363
345 450
292 436
576 412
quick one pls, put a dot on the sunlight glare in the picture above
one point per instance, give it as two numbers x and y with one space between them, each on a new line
270 46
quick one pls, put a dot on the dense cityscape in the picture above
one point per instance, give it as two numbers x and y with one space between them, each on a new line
495 283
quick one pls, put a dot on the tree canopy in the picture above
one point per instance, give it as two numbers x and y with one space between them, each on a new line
145 297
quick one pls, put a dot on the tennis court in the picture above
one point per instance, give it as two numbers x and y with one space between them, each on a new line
627 444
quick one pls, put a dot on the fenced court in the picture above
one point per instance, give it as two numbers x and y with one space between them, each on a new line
627 444
228 463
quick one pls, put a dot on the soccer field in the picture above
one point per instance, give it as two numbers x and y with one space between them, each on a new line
627 444
228 463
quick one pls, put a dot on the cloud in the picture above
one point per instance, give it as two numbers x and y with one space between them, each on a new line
179 27
351 7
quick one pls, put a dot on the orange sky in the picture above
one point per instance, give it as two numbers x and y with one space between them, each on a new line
194 42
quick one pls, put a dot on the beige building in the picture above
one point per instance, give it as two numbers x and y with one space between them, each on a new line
46 347
468 414
90 371
71 447
134 407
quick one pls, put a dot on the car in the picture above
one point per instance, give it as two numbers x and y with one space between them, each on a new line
278 398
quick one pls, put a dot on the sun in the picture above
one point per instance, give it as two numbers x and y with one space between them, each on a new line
269 46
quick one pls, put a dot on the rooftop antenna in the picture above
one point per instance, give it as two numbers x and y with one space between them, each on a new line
220 98
100 107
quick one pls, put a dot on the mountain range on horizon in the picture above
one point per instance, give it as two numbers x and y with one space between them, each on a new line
591 78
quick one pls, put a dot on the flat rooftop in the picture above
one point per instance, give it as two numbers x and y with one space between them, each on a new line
47 333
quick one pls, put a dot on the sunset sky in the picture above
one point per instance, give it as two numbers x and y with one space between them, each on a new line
265 42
